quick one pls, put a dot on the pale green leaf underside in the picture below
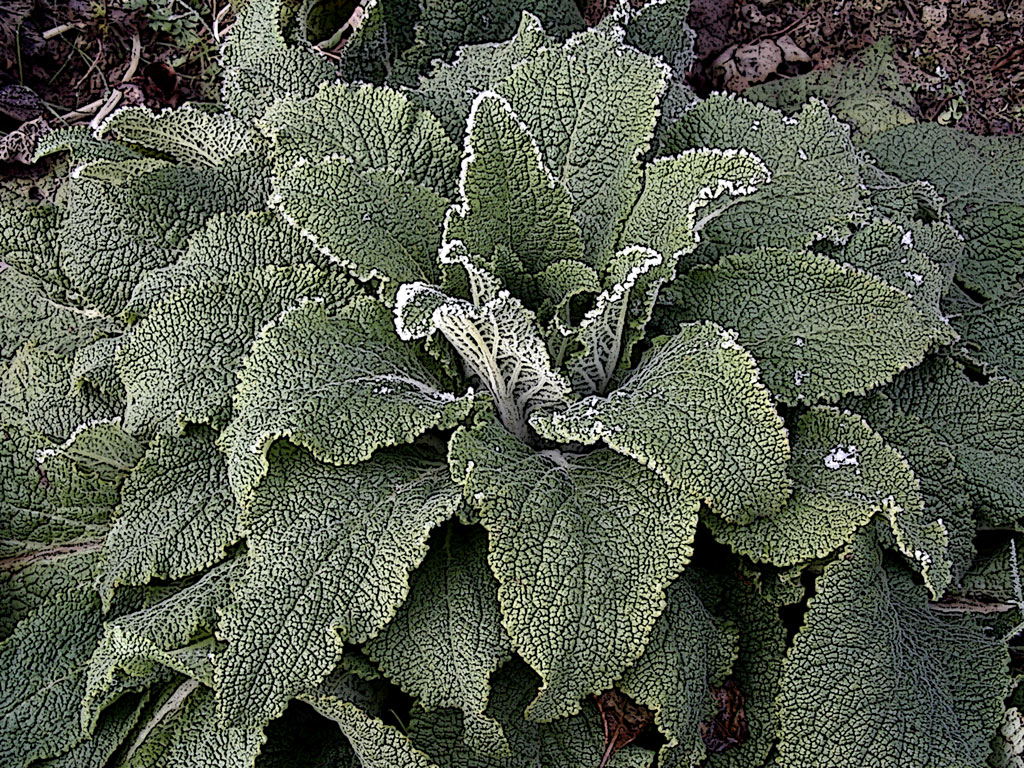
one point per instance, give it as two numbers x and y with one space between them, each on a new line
330 552
696 413
583 550
377 129
981 426
817 329
341 386
814 190
566 743
447 638
191 134
177 514
376 223
843 474
905 687
179 364
689 652
591 106
508 196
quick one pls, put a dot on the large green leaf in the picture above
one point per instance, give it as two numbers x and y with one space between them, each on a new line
992 332
817 329
376 223
263 66
386 30
874 678
508 197
447 638
179 364
43 577
566 743
377 129
449 89
112 730
351 387
124 219
583 549
814 190
330 552
177 514
982 179
29 236
843 474
591 106
696 413
42 677
689 653
979 423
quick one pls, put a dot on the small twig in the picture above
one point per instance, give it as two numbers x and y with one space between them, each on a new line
108 106
133 65
60 30
217 20
81 113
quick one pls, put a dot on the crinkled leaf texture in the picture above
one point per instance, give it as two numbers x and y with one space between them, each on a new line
330 552
904 686
583 549
350 388
694 410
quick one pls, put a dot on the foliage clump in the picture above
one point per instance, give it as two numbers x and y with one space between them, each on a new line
500 375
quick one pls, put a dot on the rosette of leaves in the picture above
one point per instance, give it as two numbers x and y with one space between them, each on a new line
391 420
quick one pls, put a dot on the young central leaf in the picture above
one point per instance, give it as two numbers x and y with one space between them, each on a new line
330 552
496 337
583 549
508 197
341 386
696 413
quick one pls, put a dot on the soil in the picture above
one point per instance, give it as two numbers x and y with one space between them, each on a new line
72 61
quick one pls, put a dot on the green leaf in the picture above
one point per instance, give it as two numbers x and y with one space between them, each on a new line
28 236
185 731
134 645
95 365
42 677
177 515
449 90
113 728
330 552
351 387
676 189
814 191
180 363
81 143
375 223
982 180
731 455
566 743
52 505
228 244
447 638
583 550
190 134
979 423
376 745
42 577
689 653
843 474
817 329
865 91
445 26
376 129
118 228
905 687
262 66
386 30
947 505
497 338
591 106
508 197
992 332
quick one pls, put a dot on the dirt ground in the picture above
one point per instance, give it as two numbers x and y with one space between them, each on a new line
68 61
